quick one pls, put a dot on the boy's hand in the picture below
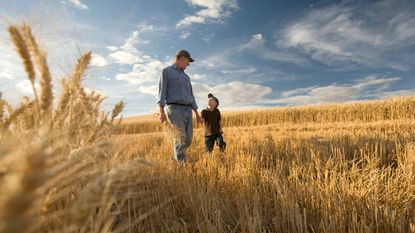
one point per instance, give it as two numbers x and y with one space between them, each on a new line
199 119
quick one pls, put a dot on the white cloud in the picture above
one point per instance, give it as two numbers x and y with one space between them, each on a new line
404 24
257 37
112 48
98 60
184 35
207 38
327 36
145 27
103 78
345 35
148 90
76 3
128 54
255 42
233 93
139 70
25 87
11 67
198 77
368 88
7 70
143 73
7 73
135 36
217 61
212 10
249 70
257 45
388 94
125 57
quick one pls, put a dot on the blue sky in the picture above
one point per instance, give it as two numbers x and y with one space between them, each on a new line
250 54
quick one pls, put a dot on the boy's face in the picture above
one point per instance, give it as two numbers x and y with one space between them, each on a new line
212 103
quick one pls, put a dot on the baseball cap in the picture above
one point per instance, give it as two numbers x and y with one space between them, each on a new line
184 53
214 97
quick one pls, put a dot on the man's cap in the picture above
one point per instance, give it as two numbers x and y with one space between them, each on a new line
214 97
184 53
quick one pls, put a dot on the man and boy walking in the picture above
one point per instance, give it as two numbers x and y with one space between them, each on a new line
176 102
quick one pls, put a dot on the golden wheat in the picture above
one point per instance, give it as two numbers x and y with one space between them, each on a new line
46 99
329 168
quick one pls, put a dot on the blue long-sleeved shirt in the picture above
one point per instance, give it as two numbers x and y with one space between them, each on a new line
175 87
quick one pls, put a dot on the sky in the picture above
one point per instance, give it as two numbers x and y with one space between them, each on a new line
250 54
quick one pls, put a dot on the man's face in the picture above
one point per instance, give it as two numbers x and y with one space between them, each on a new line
183 62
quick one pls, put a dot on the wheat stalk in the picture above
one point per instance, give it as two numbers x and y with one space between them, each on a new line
22 49
46 99
13 116
62 103
2 104
117 110
79 70
76 78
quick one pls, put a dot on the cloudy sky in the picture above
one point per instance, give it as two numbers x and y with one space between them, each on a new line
248 53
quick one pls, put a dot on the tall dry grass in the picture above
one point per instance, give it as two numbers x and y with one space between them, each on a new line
69 168
334 177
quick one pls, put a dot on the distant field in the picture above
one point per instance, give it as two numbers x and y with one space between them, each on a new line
143 118
380 110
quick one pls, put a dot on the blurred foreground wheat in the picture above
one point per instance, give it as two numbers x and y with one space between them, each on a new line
56 168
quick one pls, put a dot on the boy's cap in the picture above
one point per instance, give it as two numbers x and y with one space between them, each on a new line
184 53
214 97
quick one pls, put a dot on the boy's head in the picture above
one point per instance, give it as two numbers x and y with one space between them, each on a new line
213 101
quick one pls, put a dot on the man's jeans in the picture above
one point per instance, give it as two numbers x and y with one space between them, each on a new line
181 117
210 142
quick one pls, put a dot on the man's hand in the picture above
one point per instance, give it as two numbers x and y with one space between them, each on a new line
162 117
199 119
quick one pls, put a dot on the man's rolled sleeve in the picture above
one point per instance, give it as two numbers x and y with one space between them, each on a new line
161 98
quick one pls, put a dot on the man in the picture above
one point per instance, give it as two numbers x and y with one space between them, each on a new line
175 91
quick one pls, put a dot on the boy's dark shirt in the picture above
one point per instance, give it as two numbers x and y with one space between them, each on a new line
212 119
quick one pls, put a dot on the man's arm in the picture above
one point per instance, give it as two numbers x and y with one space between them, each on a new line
194 106
162 96
198 118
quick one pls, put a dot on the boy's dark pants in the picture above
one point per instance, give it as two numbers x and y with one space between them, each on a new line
210 142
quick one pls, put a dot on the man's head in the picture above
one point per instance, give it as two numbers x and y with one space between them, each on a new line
183 59
213 102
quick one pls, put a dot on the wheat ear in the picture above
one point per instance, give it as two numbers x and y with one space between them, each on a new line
46 99
22 49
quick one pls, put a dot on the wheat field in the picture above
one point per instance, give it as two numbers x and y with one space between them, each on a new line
68 166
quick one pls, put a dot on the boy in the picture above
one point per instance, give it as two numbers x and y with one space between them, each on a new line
213 125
